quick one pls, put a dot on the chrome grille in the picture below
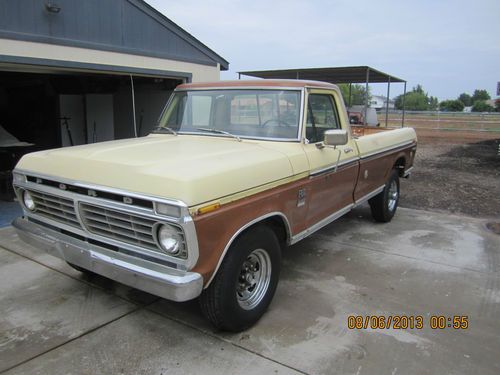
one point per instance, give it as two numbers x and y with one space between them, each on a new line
55 208
119 225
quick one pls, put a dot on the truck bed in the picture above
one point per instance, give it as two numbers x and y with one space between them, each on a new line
372 140
362 130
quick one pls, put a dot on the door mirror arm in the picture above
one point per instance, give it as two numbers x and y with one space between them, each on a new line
332 139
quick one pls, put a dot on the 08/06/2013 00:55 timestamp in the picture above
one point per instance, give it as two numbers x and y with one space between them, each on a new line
407 322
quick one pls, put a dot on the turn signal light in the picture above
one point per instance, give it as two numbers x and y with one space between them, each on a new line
208 208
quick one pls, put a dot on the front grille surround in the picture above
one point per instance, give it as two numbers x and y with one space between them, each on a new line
62 208
124 226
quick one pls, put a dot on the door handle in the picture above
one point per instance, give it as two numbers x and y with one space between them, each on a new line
348 149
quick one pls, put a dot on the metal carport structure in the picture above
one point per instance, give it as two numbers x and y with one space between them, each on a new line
348 74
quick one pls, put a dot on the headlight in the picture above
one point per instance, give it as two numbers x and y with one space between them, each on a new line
169 238
28 201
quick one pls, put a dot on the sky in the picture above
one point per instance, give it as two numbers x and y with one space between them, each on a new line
447 46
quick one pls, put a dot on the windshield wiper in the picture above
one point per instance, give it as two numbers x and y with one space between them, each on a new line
212 130
159 129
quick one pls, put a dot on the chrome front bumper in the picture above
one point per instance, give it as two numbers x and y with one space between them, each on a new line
150 277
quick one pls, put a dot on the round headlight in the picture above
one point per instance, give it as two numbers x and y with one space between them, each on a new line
29 203
169 239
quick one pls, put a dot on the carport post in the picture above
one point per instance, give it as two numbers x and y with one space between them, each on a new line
133 103
366 93
350 92
403 117
387 102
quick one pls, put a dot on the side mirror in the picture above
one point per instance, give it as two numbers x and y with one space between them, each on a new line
335 137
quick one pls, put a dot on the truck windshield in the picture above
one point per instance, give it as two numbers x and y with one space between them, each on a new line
257 114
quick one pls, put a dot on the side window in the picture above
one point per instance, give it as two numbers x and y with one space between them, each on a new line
321 116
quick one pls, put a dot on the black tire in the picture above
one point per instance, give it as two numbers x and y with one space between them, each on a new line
222 301
385 204
80 269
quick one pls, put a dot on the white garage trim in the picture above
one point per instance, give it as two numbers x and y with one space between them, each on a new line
81 59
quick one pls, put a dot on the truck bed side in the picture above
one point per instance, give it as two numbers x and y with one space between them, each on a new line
379 153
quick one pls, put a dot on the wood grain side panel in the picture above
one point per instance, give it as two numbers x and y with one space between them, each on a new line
331 192
215 229
324 194
374 171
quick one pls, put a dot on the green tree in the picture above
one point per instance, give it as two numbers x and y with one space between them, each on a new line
480 95
419 89
357 93
416 100
482 106
466 99
433 103
452 105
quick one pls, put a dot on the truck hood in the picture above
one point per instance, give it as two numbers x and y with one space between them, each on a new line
193 169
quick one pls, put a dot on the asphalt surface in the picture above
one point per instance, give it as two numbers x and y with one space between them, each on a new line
54 320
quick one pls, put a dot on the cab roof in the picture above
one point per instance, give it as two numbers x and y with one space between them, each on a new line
256 83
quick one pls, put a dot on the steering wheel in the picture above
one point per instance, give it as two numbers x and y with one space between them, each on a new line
277 120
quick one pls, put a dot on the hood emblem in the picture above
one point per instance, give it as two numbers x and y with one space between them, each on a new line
127 200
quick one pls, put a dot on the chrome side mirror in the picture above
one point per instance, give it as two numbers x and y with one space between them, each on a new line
335 137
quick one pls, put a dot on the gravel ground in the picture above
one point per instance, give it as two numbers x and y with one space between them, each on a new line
455 172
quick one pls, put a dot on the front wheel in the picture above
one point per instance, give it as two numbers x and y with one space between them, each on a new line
80 269
245 282
384 205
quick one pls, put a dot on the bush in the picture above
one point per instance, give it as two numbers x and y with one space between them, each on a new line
482 106
451 105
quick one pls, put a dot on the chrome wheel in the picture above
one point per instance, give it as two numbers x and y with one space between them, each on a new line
393 195
254 279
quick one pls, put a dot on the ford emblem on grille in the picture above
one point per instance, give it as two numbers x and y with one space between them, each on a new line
127 200
92 193
62 186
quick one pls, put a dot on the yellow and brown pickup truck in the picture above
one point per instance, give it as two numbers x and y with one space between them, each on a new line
204 206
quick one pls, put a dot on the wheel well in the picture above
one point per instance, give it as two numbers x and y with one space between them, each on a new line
399 165
278 225
280 228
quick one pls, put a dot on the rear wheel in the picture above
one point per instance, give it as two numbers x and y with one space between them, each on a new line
384 205
245 282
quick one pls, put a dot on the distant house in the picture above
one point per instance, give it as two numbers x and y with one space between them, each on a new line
491 102
380 102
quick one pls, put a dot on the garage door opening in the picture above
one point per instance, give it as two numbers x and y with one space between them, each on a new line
50 110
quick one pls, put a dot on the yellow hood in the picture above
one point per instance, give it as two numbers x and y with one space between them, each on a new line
193 169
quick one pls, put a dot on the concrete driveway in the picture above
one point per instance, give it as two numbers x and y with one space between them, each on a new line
54 320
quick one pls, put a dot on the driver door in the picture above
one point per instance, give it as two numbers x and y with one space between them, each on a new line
330 190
